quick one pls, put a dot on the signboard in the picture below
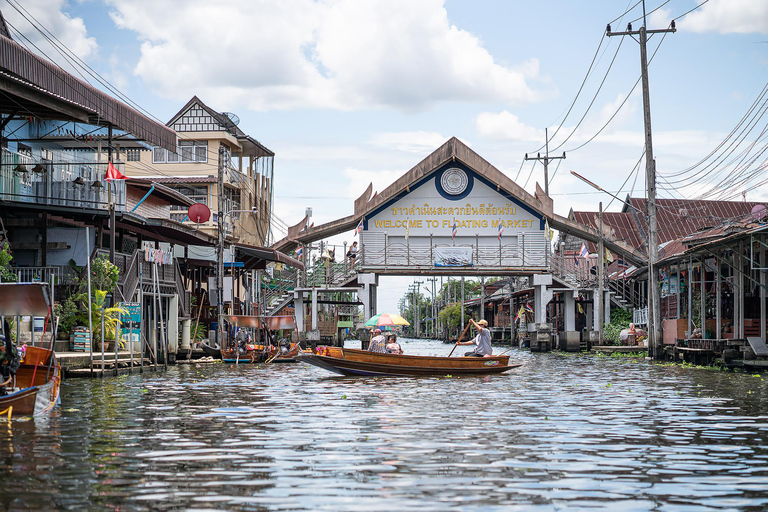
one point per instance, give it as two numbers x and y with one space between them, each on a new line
130 325
453 256
457 207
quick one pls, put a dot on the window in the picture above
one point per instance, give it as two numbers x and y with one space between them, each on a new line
158 155
187 151
133 154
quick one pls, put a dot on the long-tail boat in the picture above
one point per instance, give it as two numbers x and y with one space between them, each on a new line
353 362
35 387
267 349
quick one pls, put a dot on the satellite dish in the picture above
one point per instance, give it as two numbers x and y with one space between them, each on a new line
198 213
759 211
232 118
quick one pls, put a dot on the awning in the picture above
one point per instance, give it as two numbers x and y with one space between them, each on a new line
165 230
255 257
24 299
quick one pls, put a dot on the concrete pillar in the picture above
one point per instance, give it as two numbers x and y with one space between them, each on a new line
607 306
542 296
569 315
186 333
367 293
173 324
314 309
298 305
596 304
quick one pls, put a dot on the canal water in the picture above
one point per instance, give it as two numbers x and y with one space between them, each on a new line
563 432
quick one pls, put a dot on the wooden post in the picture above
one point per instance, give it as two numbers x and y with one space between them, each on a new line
703 296
718 299
690 296
762 272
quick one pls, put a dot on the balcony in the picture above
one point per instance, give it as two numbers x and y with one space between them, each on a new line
64 184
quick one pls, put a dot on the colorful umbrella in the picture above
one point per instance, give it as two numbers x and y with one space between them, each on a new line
385 319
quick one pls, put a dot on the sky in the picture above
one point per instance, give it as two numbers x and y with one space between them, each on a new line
352 92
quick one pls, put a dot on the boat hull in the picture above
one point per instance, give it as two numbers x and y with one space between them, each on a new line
352 362
35 400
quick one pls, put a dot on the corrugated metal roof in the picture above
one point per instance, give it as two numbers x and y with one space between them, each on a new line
681 217
34 71
617 225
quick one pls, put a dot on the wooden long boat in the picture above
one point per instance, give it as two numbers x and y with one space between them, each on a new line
267 349
38 382
35 388
353 362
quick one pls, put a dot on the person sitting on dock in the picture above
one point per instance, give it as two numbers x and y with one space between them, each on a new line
482 341
378 343
393 347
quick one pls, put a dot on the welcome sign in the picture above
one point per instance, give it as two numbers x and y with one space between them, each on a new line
454 198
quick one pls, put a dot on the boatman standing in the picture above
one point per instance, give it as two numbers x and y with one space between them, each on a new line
482 341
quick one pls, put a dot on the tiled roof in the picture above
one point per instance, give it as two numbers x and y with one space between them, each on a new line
182 179
681 217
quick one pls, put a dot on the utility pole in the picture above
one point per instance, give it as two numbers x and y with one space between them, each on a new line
545 160
600 290
417 316
220 252
654 294
462 302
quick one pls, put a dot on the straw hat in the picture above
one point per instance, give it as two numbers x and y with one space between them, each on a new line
484 323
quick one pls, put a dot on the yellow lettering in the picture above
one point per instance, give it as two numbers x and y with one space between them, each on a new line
445 223
378 223
387 223
494 224
484 223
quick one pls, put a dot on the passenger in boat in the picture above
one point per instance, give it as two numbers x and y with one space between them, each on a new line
482 341
10 360
393 347
378 343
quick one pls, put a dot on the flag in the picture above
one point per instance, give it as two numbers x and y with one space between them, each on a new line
575 259
359 228
501 229
299 250
407 228
114 174
547 231
454 230
608 256
528 308
584 253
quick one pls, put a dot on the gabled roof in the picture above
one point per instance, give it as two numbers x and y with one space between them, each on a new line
452 151
250 145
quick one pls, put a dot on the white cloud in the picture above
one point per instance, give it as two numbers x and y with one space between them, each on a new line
341 54
728 17
506 125
50 14
411 142
358 180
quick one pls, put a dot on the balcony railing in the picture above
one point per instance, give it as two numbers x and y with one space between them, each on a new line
73 184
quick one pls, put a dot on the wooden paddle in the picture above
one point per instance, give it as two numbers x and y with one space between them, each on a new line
460 337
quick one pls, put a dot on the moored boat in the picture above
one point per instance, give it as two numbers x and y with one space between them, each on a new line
243 347
351 362
34 388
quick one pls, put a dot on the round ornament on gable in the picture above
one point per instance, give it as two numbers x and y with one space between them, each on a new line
454 181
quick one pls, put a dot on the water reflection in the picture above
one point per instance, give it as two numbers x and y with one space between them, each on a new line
561 432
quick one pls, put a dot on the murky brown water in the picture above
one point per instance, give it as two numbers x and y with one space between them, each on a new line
561 433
